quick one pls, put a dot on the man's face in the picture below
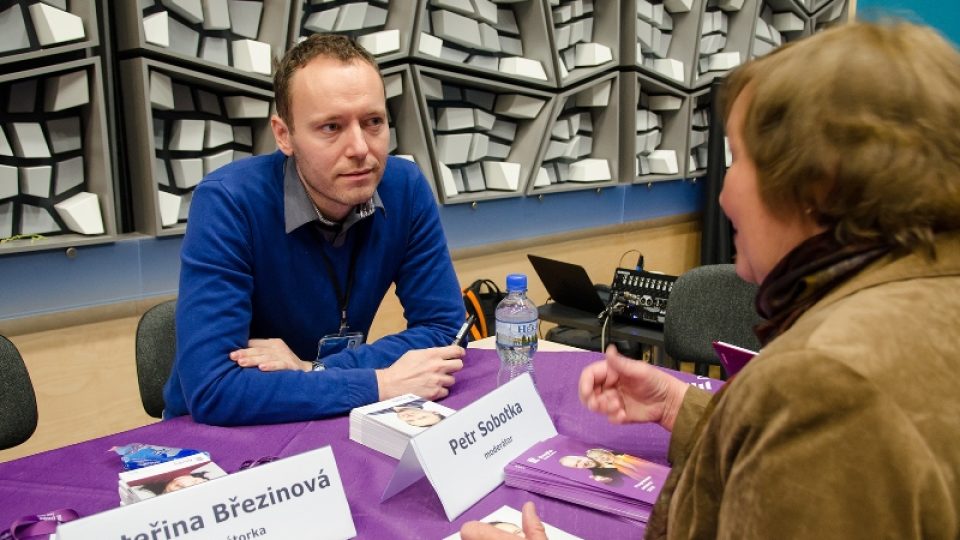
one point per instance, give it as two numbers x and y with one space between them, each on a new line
578 462
418 417
339 135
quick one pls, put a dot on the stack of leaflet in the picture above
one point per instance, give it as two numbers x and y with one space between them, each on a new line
148 482
388 425
583 474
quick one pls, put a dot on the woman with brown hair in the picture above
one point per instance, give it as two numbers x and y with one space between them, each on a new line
844 193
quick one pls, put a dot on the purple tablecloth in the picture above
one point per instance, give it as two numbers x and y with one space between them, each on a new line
84 476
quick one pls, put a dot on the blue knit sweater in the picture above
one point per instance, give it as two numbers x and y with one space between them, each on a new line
242 276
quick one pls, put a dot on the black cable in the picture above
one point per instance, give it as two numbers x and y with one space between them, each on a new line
629 251
606 315
603 332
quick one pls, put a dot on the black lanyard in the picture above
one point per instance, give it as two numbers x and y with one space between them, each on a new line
343 296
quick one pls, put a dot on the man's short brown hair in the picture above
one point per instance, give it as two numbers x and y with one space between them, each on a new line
338 47
860 126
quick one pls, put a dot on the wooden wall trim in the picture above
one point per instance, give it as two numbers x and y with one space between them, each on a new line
74 317
527 243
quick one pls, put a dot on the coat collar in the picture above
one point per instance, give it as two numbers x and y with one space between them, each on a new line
893 268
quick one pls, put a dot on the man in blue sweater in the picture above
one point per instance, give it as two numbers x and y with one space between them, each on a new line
287 257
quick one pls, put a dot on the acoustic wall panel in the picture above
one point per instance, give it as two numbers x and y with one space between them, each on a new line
508 41
37 30
582 150
655 119
54 146
699 134
383 28
230 37
201 123
484 135
585 37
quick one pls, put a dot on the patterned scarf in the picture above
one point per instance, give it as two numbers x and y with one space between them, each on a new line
805 276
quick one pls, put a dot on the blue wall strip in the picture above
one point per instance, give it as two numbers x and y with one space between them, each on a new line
44 281
512 219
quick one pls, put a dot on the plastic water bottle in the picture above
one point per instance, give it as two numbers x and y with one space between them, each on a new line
517 321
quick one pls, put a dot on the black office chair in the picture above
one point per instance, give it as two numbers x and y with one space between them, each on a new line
18 402
156 348
709 303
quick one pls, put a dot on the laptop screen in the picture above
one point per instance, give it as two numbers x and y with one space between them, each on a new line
567 284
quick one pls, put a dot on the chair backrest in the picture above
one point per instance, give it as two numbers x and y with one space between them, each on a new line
709 303
156 348
18 403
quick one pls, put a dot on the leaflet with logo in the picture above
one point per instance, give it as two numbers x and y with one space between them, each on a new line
602 478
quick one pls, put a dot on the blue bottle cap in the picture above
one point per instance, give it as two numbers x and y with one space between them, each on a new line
516 282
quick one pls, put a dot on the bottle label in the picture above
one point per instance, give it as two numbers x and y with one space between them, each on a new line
516 334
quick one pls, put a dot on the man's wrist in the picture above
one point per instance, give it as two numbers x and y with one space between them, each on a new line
381 384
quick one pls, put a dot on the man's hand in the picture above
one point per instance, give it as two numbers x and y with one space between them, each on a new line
424 372
627 390
269 355
532 528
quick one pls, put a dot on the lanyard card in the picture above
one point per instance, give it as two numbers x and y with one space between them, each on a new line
334 343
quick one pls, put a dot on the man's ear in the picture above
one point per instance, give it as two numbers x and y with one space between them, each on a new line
281 133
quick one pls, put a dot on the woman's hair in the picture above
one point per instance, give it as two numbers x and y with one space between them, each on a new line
859 126
327 45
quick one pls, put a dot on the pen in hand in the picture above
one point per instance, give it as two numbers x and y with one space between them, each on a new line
462 333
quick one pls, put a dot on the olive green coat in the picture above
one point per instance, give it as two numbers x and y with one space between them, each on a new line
846 426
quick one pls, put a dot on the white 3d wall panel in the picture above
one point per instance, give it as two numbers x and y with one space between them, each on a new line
54 169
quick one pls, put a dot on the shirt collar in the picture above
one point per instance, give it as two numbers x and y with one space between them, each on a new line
298 208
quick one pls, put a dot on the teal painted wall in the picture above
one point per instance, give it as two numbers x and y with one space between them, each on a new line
944 15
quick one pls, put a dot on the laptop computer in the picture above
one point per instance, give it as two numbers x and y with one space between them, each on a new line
568 284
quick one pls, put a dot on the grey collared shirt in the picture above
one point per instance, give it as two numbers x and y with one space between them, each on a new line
298 208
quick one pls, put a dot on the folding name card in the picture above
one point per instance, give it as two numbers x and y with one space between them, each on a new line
296 497
464 455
